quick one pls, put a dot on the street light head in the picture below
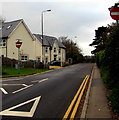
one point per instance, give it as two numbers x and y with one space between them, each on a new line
48 10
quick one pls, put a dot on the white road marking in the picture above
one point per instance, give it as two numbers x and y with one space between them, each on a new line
4 91
13 84
11 79
24 85
40 80
9 112
22 89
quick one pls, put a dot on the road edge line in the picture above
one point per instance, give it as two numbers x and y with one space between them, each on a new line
73 114
85 106
74 99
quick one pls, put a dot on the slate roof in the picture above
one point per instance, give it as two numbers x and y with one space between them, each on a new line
8 27
48 40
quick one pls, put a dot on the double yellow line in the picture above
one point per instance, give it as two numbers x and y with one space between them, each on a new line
76 100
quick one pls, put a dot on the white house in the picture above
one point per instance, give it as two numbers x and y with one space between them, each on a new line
53 49
31 48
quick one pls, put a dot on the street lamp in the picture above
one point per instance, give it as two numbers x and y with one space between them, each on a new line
42 28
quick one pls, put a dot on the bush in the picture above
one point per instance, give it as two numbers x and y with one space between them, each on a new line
114 98
100 58
26 64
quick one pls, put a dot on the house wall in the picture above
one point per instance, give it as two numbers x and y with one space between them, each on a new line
3 51
28 43
54 53
30 47
63 51
46 54
38 50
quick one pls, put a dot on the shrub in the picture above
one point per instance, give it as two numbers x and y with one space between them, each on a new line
114 98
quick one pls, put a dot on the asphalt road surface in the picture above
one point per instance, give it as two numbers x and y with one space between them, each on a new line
46 95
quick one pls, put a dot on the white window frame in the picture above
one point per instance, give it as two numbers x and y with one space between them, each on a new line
59 50
25 57
3 42
59 59
46 50
55 50
46 60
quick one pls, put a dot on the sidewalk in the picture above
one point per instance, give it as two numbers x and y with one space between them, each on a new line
97 106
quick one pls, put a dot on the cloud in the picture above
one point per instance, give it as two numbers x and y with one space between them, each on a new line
67 18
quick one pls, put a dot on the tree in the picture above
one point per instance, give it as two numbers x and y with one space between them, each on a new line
72 50
107 58
2 20
100 39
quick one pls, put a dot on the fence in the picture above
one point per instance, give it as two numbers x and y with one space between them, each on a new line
26 64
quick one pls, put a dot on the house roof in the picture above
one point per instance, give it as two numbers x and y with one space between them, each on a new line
49 40
8 27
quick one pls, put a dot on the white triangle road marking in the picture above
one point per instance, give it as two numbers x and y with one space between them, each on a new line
9 112
3 90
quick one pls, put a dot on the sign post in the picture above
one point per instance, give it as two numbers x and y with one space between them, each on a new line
18 45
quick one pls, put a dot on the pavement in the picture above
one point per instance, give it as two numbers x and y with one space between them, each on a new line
97 106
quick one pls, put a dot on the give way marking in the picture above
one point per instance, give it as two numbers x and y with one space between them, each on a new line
11 112
3 90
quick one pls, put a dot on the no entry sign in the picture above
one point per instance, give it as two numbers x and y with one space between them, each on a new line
18 44
114 13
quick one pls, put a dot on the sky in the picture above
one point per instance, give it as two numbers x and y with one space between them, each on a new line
76 19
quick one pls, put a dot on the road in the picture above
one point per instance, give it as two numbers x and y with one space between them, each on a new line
46 95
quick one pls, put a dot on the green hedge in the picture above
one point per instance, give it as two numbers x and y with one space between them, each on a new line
108 62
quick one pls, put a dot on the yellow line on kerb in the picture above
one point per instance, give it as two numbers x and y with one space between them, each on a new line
74 99
79 99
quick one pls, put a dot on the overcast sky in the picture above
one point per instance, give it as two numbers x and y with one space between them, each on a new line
76 19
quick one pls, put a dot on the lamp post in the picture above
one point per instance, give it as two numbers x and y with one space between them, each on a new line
42 30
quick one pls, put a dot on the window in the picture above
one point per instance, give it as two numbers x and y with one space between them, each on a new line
24 58
46 49
59 50
38 59
55 57
3 42
59 59
46 59
54 49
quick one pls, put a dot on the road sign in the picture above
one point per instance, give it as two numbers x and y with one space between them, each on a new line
18 44
114 13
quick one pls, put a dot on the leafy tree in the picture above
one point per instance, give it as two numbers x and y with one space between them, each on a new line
72 50
100 39
107 57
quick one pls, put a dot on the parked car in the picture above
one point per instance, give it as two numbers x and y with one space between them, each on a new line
57 63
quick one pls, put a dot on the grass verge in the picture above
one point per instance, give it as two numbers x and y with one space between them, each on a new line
12 72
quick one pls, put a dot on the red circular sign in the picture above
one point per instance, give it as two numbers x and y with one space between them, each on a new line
114 13
18 44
